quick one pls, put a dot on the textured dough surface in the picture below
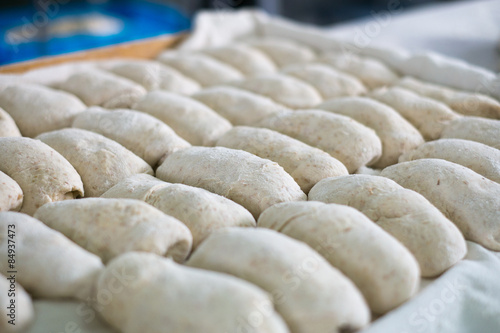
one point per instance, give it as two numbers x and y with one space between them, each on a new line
352 143
483 159
153 75
48 264
381 267
110 227
251 181
144 135
101 162
200 210
464 102
435 241
249 61
202 68
11 194
239 106
307 165
8 126
43 174
286 90
370 71
283 52
38 109
308 292
475 129
190 119
329 82
468 199
97 87
427 115
173 292
397 135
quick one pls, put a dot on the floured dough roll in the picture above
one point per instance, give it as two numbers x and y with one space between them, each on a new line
427 115
144 135
153 75
480 158
200 210
38 109
249 61
253 182
160 296
465 197
310 295
101 162
283 52
384 270
47 263
475 129
16 317
286 90
397 135
464 102
11 194
435 242
190 119
307 165
8 126
350 142
372 72
110 227
202 68
97 87
329 82
41 172
239 106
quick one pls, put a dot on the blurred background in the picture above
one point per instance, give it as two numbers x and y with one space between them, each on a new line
31 29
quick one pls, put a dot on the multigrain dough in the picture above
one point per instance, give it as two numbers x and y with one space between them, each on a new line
352 143
468 199
8 126
308 292
200 210
464 102
307 165
372 72
101 162
110 227
48 264
190 119
249 61
239 106
158 295
144 135
97 87
41 172
11 194
427 115
286 90
23 306
153 75
329 82
382 268
475 129
435 242
397 135
483 159
38 109
253 182
202 68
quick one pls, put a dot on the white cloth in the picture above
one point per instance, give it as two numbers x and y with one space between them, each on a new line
466 298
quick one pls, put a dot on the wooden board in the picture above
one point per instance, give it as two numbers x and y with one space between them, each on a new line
143 49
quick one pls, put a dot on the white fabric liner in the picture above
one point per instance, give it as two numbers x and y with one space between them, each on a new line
466 298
